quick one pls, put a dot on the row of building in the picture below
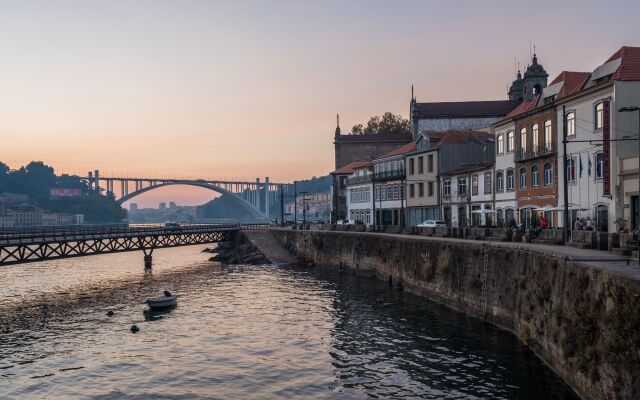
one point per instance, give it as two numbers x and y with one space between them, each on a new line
16 210
503 163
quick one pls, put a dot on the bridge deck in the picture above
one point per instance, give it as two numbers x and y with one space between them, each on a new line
40 244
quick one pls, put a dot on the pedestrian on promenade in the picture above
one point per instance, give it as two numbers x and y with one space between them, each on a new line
589 224
577 225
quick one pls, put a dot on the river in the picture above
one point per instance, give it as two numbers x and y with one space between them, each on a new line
245 332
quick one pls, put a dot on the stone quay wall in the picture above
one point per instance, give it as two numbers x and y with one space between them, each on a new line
584 322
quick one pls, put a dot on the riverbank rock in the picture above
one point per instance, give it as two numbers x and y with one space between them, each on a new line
239 251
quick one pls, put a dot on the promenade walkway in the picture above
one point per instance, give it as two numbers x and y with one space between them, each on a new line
596 259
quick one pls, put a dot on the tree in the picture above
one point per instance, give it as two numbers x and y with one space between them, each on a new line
388 123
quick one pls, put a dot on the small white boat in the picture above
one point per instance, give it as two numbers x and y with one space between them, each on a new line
168 300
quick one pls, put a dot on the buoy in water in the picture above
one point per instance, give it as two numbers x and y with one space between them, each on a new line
110 313
134 328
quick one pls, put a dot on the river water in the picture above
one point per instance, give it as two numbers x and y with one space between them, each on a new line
245 332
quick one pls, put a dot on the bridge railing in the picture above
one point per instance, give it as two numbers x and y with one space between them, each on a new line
72 232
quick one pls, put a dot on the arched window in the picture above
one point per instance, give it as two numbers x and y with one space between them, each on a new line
500 144
499 181
548 174
523 178
571 123
510 144
534 175
548 141
523 138
510 179
599 158
534 138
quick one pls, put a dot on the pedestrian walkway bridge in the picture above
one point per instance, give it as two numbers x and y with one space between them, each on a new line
32 244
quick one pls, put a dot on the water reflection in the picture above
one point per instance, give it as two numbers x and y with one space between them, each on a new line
256 332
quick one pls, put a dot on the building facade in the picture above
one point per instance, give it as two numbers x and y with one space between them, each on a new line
504 174
389 186
467 195
602 155
360 195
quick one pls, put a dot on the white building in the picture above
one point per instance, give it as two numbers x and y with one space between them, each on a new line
359 195
504 185
603 174
467 195
389 179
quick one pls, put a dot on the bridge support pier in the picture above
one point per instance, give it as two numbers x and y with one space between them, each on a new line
148 258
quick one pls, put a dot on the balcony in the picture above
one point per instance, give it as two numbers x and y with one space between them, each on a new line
541 150
358 179
395 174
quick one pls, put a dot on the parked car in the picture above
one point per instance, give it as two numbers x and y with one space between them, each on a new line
345 222
358 222
430 223
172 226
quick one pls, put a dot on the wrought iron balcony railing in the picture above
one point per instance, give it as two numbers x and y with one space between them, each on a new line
354 180
389 175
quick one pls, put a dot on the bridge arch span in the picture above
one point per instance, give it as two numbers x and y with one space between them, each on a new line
255 212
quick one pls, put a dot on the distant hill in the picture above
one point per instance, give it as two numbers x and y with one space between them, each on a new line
224 207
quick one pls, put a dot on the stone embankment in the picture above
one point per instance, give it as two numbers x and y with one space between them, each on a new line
581 318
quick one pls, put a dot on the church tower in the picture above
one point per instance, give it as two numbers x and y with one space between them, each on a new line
535 79
516 89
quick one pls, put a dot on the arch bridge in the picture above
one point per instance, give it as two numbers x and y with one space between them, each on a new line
255 197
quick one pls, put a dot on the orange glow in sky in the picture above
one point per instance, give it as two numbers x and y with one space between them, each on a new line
246 89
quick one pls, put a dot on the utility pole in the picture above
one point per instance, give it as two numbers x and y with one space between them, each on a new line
567 218
295 202
373 199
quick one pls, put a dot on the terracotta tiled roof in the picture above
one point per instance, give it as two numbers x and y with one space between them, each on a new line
460 136
524 107
400 150
494 108
629 69
349 168
572 82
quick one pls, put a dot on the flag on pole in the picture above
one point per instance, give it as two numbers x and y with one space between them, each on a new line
580 158
588 165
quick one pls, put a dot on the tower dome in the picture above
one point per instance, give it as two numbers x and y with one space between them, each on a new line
515 91
535 79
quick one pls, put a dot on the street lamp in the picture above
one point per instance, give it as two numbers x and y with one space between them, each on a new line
634 109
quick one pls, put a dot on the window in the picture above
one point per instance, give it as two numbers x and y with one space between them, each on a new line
510 179
534 175
510 144
430 189
421 165
499 181
548 174
548 141
412 190
389 192
474 185
534 137
421 189
523 139
599 158
487 182
430 163
411 166
446 187
462 186
500 144
396 192
571 169
523 178
571 124
599 115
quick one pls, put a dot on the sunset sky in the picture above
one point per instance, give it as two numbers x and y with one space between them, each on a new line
241 89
